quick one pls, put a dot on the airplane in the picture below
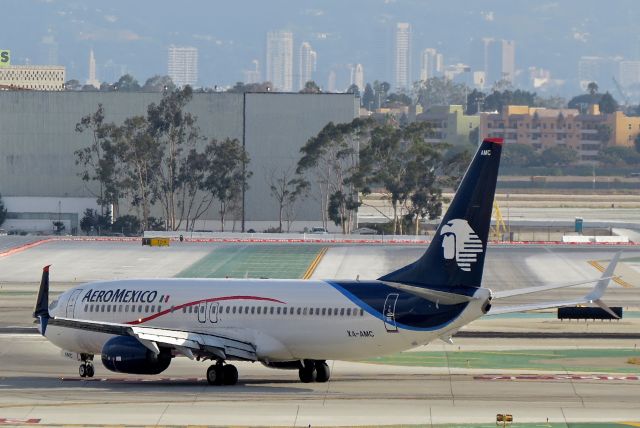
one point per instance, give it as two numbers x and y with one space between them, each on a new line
138 326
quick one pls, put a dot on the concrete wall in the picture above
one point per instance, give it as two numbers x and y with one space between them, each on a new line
38 138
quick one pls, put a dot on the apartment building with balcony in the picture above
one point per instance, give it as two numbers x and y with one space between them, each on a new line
542 128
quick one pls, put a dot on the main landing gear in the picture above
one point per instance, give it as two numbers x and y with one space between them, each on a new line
86 366
314 371
222 374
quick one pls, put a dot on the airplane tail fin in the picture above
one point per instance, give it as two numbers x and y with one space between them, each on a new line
41 311
454 260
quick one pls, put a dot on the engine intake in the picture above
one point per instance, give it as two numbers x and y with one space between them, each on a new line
125 354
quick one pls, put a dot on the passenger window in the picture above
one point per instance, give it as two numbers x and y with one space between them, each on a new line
284 311
153 308
349 311
202 309
317 311
213 310
361 312
102 308
234 309
86 308
304 311
246 309
184 309
278 310
228 309
120 308
335 312
341 312
265 310
271 310
240 309
329 311
253 310
146 308
159 308
324 311
108 308
259 308
139 308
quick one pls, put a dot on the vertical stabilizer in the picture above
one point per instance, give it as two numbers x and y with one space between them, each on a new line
455 256
41 311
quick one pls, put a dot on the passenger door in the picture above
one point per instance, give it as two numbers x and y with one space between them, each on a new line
71 303
389 313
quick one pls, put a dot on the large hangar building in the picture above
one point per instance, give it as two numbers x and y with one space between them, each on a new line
39 179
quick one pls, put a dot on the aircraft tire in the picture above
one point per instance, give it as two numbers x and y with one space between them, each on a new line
229 374
214 375
308 373
90 370
322 371
82 370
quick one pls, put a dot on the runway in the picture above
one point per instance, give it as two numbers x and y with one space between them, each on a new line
36 383
463 383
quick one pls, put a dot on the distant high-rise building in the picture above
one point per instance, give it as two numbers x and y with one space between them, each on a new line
92 80
629 73
182 65
253 76
403 55
358 77
280 60
331 81
499 60
508 60
429 63
307 63
596 69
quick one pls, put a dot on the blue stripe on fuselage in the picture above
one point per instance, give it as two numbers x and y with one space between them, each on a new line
411 312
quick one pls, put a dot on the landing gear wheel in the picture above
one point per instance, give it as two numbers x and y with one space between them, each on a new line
229 374
308 373
215 375
322 371
82 370
89 371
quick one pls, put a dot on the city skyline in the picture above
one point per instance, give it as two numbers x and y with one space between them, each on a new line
549 39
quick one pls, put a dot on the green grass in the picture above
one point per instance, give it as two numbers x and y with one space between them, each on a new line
254 261
584 360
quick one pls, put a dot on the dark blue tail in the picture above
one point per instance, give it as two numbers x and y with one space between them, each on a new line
454 260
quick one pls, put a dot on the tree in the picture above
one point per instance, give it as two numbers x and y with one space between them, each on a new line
72 85
140 156
368 98
400 161
474 103
519 155
227 175
310 87
397 98
176 132
332 158
3 211
498 100
592 88
241 87
286 188
353 89
439 91
558 156
93 222
127 83
98 160
608 104
159 83
128 225
619 156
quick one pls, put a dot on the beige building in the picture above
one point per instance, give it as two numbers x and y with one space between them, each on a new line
34 77
543 128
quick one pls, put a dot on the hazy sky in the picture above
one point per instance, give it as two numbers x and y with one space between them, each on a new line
133 35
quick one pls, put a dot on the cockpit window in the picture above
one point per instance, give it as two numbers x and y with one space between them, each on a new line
53 305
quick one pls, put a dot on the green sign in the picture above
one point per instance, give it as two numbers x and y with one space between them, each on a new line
5 58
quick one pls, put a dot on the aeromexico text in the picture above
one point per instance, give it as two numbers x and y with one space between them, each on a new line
120 296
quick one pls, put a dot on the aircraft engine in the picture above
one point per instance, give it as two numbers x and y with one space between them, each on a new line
125 354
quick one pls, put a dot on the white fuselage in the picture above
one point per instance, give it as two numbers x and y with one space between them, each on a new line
285 319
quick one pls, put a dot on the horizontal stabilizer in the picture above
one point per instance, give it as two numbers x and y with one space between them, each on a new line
592 297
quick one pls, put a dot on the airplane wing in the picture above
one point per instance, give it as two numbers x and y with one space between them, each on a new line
594 296
189 344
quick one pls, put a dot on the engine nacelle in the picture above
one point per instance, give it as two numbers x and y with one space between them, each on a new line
125 354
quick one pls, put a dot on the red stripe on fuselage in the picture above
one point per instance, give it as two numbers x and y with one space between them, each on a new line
197 302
